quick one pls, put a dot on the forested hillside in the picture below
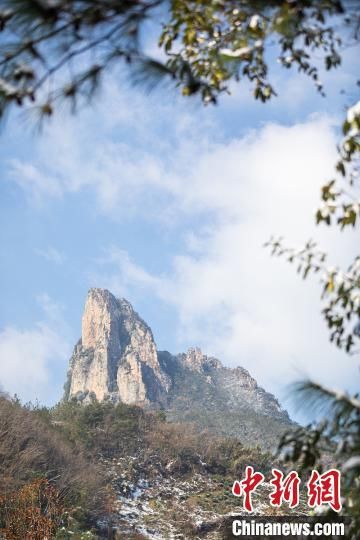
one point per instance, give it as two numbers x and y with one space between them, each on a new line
81 471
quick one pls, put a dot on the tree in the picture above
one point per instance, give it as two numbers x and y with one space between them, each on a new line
57 50
36 510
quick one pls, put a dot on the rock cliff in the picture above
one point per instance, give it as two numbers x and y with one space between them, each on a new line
116 356
116 359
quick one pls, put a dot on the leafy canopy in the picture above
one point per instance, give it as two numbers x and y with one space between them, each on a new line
56 50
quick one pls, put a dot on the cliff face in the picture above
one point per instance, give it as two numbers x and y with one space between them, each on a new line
116 358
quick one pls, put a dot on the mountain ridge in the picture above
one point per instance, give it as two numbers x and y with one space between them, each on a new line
116 359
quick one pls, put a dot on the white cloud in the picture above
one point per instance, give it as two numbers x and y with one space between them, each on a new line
114 159
36 184
52 254
231 297
31 358
128 274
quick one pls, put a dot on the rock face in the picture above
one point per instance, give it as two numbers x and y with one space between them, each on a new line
116 359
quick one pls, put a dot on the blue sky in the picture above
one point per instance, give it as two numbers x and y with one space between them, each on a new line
168 203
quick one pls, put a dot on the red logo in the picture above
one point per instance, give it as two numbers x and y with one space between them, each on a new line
321 488
325 489
247 486
285 489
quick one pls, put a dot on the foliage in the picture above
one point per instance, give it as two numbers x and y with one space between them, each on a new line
60 50
33 448
34 511
336 439
211 43
55 463
102 427
347 212
341 290
121 430
37 511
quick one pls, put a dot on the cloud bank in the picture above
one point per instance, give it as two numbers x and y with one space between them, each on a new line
222 197
32 359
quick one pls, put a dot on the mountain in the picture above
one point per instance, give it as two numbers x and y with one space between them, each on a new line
116 356
116 359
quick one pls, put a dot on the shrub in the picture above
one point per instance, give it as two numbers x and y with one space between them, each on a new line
34 511
31 448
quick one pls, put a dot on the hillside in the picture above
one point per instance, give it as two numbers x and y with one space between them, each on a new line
115 471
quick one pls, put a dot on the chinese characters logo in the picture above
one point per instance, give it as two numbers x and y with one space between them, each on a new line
321 488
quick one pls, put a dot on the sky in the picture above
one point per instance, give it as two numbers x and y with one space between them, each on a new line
168 203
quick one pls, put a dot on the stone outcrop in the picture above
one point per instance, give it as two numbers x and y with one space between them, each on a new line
195 360
116 359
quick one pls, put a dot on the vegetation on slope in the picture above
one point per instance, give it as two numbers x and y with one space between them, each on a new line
40 470
194 400
54 463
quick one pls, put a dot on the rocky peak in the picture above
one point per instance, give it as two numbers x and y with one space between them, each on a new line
100 318
116 357
195 360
